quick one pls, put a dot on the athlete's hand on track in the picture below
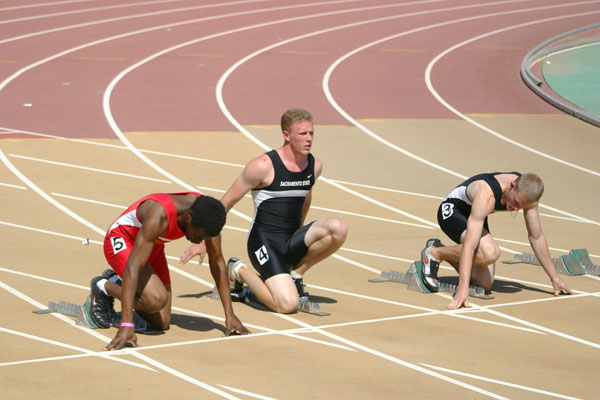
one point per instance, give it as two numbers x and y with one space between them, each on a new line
460 300
124 335
193 251
560 287
233 324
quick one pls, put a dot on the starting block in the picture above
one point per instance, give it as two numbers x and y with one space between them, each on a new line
80 312
245 295
83 317
412 278
577 262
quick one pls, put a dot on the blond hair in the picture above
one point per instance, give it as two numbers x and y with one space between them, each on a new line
293 116
531 186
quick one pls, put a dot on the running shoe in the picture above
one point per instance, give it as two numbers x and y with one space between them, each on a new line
299 282
233 266
101 305
430 267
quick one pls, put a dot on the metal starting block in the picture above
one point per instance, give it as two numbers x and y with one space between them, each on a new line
72 310
83 318
245 295
412 278
577 262
62 307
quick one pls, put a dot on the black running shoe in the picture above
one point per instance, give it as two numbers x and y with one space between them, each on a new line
101 307
429 269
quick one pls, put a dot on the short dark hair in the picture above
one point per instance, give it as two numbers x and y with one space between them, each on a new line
209 214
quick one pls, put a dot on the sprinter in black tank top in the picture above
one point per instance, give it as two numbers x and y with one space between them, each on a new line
463 217
280 246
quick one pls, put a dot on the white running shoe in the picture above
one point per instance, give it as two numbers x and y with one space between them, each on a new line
233 266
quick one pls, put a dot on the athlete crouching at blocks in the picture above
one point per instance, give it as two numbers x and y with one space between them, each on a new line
281 248
463 217
134 248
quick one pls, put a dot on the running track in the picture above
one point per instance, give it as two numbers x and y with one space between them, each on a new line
409 98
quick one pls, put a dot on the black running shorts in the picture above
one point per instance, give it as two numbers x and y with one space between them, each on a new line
276 253
452 217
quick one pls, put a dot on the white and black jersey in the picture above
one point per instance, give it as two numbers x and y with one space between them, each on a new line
456 207
276 238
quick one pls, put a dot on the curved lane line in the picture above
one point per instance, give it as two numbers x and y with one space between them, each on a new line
84 10
126 17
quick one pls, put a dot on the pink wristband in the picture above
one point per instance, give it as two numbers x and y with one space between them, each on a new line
128 324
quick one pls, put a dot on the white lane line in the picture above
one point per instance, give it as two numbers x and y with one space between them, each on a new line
42 278
81 11
368 253
29 228
553 298
499 382
70 347
386 189
371 217
483 127
101 203
121 147
45 196
247 393
103 171
55 3
13 186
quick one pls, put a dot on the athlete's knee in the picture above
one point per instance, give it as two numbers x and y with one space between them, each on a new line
484 281
338 229
488 253
287 304
155 301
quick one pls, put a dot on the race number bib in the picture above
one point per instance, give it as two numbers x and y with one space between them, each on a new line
447 210
261 255
118 244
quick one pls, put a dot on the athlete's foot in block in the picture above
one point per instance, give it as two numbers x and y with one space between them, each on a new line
460 300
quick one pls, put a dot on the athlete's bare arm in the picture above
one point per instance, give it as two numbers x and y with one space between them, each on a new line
482 205
257 173
539 244
218 269
154 223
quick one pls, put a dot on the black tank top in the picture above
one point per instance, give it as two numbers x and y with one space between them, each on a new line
490 179
278 206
